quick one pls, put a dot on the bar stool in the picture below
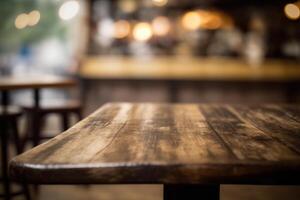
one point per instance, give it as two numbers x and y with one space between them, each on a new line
38 116
9 116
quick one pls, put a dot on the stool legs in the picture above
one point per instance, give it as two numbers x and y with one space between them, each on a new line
26 191
19 150
36 127
79 114
4 125
36 122
16 137
32 133
65 121
4 150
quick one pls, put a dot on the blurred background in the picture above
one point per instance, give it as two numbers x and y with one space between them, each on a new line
202 51
158 50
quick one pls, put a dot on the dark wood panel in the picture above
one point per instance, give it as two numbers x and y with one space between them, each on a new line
160 143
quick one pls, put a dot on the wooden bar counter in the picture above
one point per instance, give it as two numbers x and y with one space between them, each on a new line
182 79
190 148
187 68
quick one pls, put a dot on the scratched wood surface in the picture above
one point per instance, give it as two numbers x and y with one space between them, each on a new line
171 144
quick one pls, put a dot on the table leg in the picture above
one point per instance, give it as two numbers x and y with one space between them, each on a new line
36 97
4 99
36 118
26 191
190 192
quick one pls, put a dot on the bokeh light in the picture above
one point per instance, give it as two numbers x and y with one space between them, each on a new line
68 10
121 29
127 6
161 26
191 20
160 2
21 21
142 31
33 17
292 11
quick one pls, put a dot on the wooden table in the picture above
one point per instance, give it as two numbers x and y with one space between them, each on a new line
35 83
189 148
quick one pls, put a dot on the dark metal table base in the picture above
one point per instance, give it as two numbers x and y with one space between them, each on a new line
190 192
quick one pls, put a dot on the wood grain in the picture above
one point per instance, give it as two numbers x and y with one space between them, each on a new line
245 140
279 126
164 143
293 111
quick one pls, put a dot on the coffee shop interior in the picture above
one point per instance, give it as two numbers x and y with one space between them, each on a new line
62 60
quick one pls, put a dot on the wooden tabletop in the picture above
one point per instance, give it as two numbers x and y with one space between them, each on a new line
171 144
34 82
187 68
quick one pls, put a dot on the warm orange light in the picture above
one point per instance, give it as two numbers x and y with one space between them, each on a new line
206 19
161 26
33 17
21 21
214 22
292 11
191 20
142 31
121 29
160 2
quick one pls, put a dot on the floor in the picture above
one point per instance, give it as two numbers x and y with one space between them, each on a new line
155 192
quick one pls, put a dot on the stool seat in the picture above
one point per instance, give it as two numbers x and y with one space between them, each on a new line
10 112
55 106
37 116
